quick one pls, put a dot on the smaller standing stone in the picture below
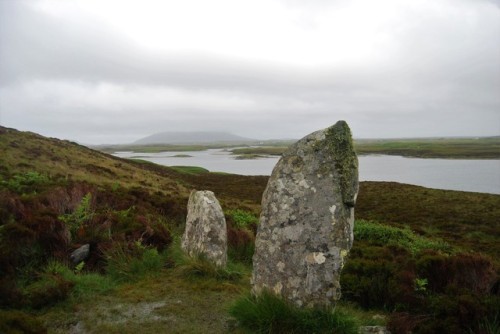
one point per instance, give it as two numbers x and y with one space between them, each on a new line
80 254
205 233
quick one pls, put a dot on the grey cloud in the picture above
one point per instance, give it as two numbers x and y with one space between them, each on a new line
442 78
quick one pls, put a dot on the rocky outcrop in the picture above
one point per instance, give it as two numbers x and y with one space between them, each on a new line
306 224
205 233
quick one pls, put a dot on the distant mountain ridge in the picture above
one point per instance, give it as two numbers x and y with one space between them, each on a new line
173 137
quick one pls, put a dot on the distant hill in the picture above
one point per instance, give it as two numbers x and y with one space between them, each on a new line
201 137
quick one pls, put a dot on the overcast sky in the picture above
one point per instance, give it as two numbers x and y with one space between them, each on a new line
99 71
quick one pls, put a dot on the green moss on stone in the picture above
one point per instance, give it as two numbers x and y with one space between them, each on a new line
339 141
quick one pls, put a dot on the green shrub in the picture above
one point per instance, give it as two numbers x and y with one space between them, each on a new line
27 182
82 214
268 313
421 284
242 218
388 235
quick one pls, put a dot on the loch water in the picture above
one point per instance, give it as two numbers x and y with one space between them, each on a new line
453 174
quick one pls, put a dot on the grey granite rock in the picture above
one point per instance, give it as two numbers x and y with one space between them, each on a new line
80 254
205 234
306 224
373 330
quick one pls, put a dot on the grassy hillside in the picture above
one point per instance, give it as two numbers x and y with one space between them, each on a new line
25 152
426 260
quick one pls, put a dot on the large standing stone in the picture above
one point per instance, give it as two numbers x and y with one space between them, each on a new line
307 219
205 233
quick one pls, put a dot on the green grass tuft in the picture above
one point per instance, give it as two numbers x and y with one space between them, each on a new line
199 267
268 313
84 284
57 283
489 325
131 263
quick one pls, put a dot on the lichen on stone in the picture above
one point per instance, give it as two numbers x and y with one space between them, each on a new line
205 233
305 229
